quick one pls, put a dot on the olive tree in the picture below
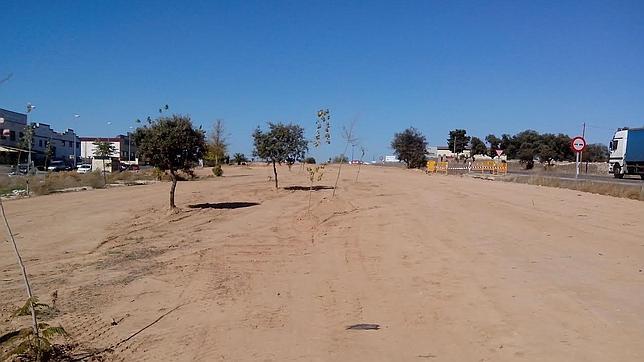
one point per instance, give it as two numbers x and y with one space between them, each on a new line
171 144
280 143
410 146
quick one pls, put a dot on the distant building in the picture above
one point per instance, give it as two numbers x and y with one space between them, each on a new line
391 159
60 144
124 148
445 152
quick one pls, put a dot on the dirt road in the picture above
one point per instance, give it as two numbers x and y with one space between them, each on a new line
450 268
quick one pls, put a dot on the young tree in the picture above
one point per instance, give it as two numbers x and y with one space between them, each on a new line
281 143
103 150
477 147
25 142
457 140
410 146
350 139
217 146
171 144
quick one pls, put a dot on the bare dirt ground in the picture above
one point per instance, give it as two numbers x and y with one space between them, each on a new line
451 268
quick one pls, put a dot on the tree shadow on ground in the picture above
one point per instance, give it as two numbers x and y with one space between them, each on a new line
307 188
223 205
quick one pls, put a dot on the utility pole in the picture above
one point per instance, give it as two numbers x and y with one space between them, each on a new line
581 154
30 107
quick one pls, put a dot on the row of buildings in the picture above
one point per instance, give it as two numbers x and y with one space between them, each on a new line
64 146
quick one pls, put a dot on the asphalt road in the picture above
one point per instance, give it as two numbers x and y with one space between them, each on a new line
627 180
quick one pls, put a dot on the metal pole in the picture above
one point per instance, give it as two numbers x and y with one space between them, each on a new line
577 164
129 145
583 135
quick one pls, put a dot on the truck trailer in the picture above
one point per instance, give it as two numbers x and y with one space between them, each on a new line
627 153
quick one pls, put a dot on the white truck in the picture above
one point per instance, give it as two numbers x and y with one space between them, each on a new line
627 153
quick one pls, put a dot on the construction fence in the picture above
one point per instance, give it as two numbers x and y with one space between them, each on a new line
484 167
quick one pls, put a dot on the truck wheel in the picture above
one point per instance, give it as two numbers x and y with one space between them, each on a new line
642 176
617 171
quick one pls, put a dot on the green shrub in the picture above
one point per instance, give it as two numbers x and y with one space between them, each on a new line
217 171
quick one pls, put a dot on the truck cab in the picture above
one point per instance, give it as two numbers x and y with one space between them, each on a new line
627 153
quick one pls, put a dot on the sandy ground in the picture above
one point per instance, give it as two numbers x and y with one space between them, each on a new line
451 268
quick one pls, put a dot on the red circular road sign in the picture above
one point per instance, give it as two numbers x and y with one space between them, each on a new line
578 144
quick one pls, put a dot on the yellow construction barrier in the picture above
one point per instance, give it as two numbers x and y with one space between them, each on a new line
431 166
502 168
441 167
491 167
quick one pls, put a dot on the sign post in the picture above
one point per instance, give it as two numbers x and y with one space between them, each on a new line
578 145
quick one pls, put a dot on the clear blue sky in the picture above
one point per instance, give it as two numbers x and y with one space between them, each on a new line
486 66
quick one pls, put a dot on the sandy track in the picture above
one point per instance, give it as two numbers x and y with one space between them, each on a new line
453 269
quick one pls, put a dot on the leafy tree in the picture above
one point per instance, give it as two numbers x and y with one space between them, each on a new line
103 150
239 158
410 146
546 153
595 152
281 143
171 144
477 147
458 140
495 144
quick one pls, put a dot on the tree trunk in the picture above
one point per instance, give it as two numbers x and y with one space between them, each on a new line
275 172
104 177
172 188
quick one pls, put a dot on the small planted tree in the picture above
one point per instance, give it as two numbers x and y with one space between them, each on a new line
410 146
217 144
362 153
103 150
281 143
33 342
171 144
350 139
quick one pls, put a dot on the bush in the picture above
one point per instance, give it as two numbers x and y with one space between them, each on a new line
217 171
310 160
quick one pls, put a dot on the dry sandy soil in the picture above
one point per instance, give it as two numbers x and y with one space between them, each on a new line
451 268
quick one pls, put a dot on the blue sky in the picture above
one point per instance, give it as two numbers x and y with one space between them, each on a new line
486 66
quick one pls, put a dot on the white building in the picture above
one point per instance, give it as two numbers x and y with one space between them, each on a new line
124 148
391 159
443 152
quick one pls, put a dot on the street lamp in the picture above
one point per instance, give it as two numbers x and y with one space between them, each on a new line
76 116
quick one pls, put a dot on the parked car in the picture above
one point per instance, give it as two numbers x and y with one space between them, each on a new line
56 166
132 167
84 168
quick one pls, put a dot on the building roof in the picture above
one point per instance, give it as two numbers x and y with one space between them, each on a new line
102 139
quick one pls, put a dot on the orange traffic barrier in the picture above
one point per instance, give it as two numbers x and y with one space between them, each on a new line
442 167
